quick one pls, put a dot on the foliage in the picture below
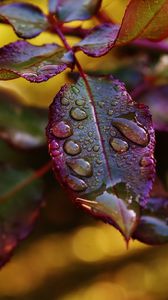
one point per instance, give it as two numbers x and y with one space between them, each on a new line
101 140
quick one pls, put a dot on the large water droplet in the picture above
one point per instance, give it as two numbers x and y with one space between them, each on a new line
78 114
76 184
80 166
62 129
132 131
119 145
71 147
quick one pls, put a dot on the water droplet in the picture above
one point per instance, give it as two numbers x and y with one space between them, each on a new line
119 145
65 101
110 112
90 133
146 161
71 147
78 114
80 166
75 90
55 153
101 104
76 184
81 127
132 131
96 148
80 102
53 145
62 129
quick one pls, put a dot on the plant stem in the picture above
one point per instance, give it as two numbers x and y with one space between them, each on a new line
37 174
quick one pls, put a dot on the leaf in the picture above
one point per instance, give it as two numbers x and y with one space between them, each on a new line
140 19
20 125
157 100
70 10
99 41
153 225
18 211
34 63
26 19
101 144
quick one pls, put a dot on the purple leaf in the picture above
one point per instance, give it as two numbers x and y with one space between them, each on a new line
153 225
70 10
26 19
99 41
157 100
101 144
34 63
18 211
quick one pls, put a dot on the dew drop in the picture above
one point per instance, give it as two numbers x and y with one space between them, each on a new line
80 102
75 90
101 104
146 161
65 101
132 131
119 145
110 112
76 184
53 145
62 129
81 167
71 147
96 148
78 114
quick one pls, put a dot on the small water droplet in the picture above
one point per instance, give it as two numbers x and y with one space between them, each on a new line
98 161
119 145
132 131
146 161
81 126
80 102
71 147
78 114
62 129
65 101
110 112
96 148
75 90
53 145
101 104
55 153
76 184
80 166
90 133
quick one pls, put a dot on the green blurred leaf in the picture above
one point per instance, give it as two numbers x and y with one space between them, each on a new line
20 125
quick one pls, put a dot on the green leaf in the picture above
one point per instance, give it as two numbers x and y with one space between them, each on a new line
26 19
34 63
18 208
101 144
141 20
70 10
20 125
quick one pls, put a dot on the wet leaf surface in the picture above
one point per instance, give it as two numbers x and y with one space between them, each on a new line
34 63
70 10
101 144
19 210
157 100
99 41
153 226
26 19
20 125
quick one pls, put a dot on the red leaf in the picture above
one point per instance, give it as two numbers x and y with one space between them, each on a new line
102 143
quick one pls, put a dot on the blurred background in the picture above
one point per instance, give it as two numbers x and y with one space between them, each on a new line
69 255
